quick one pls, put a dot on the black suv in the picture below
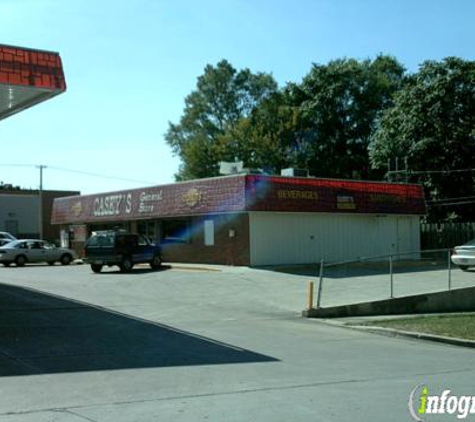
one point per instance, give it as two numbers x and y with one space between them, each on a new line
121 249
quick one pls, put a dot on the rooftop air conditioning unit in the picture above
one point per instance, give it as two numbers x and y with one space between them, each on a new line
230 168
292 172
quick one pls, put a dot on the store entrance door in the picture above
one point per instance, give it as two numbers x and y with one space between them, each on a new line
149 229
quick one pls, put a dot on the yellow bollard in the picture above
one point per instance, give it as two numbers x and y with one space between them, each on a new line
310 295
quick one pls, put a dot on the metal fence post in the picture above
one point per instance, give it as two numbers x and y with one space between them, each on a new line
449 265
391 280
320 284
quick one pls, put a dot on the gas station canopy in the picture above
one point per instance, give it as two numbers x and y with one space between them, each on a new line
28 77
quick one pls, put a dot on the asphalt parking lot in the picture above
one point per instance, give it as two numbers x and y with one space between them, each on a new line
199 344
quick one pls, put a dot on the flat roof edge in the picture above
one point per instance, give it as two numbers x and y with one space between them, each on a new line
34 50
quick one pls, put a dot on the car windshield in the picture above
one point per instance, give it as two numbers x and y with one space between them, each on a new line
471 243
101 239
13 244
7 236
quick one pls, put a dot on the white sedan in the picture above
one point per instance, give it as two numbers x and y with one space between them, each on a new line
33 250
464 256
6 237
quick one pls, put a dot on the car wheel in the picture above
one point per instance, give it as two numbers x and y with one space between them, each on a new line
126 265
66 259
20 260
51 262
96 268
156 262
463 267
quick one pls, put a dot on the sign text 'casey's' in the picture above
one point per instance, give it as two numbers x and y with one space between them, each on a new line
122 203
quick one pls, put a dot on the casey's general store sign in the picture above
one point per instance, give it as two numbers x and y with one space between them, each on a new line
122 203
242 193
180 199
112 205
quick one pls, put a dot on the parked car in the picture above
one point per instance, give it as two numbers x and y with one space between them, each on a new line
464 256
6 237
23 251
121 249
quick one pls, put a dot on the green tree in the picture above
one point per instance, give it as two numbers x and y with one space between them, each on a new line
262 139
213 111
323 124
339 105
432 125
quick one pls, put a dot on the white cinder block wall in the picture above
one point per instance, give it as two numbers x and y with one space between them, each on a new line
301 238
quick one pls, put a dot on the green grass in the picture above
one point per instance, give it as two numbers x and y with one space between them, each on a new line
460 326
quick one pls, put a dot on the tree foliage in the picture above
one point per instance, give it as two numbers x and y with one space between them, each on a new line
223 96
263 139
322 124
432 125
345 119
339 106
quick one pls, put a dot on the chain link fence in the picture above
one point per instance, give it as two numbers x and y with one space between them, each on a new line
388 276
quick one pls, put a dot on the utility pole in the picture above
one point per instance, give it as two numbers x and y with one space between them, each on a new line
40 200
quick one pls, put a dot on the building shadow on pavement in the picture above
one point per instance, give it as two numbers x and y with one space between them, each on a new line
45 334
138 269
358 269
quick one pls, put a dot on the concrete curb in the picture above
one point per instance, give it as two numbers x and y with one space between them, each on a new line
392 332
184 267
447 301
192 268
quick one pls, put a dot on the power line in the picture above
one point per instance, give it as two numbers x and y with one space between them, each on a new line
99 175
446 204
103 176
16 165
416 173
459 198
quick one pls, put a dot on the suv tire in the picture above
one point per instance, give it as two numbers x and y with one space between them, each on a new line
126 265
96 268
156 262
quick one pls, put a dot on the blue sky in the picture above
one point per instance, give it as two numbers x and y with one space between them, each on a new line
130 64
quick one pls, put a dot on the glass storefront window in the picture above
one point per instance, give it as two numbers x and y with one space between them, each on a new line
148 230
176 231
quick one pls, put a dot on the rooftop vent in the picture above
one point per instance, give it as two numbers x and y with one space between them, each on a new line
292 172
226 167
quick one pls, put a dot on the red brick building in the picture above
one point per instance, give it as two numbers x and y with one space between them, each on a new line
255 220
